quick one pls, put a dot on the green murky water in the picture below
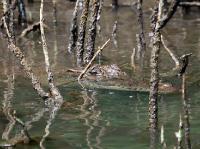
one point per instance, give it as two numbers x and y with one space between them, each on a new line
103 119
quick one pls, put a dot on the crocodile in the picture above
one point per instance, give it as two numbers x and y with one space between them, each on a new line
111 77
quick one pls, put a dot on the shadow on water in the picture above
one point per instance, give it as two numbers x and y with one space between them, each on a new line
96 118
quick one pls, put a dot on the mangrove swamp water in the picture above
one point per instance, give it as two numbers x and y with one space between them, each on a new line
97 118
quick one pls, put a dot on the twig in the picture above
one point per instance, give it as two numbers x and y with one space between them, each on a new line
133 59
74 70
174 58
90 62
33 27
197 4
30 28
114 34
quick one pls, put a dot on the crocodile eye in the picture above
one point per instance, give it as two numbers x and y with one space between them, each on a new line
93 72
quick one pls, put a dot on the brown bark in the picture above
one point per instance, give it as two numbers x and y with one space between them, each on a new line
115 4
160 19
170 12
153 97
7 9
101 3
141 44
81 34
185 61
73 29
26 67
53 89
186 114
92 31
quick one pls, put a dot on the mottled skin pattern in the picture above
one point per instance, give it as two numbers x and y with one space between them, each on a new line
106 72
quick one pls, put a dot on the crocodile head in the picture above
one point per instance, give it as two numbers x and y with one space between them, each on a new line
101 72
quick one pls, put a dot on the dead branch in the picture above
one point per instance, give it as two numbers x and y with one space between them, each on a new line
164 19
114 34
185 100
195 4
133 59
9 18
81 34
26 67
29 29
185 60
160 19
141 25
92 31
53 89
99 16
73 29
7 11
186 124
173 56
74 70
140 37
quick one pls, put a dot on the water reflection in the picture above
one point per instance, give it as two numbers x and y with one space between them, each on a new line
9 111
186 114
52 109
91 113
55 47
8 96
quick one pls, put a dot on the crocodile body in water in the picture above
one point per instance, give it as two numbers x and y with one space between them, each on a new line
113 78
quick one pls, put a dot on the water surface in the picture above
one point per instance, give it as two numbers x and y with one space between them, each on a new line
103 119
